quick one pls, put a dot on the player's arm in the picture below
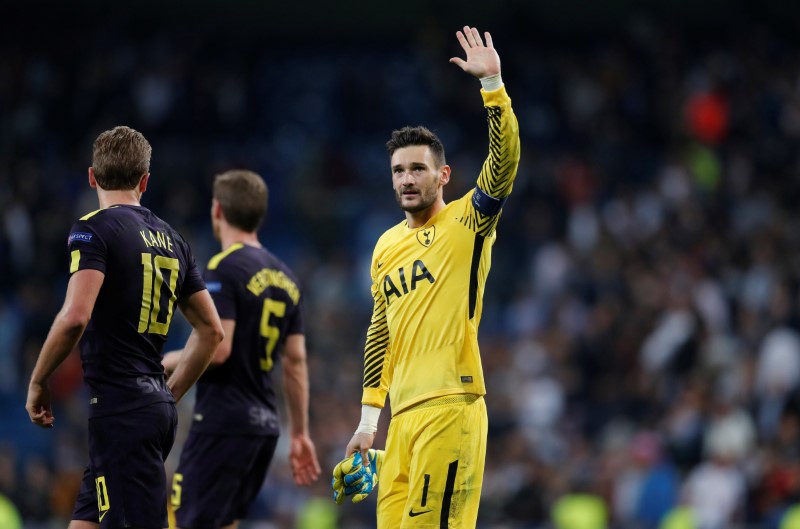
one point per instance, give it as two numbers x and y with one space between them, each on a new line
221 355
376 373
208 333
302 453
500 167
68 326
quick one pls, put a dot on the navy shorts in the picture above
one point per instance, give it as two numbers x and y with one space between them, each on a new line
218 478
125 484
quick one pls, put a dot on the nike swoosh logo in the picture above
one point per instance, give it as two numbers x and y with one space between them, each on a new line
380 265
103 515
412 513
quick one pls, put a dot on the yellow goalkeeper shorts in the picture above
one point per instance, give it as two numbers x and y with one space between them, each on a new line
433 469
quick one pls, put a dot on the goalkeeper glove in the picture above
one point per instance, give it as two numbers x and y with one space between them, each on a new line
348 477
352 478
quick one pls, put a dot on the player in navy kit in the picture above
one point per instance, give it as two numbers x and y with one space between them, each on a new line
235 423
128 271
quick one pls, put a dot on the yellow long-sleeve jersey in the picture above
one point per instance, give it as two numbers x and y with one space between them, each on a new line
428 284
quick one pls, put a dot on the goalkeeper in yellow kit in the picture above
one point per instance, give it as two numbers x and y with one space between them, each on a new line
428 276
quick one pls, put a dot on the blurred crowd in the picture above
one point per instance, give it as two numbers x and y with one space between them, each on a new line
641 329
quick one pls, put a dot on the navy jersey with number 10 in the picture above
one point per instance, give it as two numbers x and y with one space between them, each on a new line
259 292
147 268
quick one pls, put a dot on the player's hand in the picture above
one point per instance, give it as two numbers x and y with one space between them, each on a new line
38 405
303 460
169 361
361 442
482 59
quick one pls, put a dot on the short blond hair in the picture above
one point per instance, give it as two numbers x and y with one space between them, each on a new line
120 157
242 195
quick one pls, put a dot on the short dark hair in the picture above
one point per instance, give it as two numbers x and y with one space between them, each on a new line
408 136
242 195
120 157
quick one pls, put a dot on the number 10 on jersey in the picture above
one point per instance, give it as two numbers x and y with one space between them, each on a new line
152 282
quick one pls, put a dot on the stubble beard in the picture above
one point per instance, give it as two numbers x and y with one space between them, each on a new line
424 202
426 199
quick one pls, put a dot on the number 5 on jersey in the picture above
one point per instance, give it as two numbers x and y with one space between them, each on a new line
270 332
151 292
177 480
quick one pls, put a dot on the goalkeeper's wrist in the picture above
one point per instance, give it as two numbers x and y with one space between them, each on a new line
492 82
369 419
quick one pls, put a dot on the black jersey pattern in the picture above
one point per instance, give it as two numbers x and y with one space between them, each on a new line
251 286
148 268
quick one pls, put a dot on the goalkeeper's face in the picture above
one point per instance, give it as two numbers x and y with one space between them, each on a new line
416 178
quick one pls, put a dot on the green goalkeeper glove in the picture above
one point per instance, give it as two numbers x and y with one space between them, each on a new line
352 478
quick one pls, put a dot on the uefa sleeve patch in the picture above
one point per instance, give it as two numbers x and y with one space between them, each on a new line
488 205
79 236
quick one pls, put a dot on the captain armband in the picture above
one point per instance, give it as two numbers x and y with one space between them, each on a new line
485 204
369 419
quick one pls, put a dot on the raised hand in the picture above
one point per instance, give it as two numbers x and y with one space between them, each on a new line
482 60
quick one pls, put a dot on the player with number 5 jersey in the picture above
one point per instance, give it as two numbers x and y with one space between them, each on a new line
129 270
235 424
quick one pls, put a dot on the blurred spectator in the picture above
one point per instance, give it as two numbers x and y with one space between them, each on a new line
649 487
580 511
34 498
715 489
10 332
